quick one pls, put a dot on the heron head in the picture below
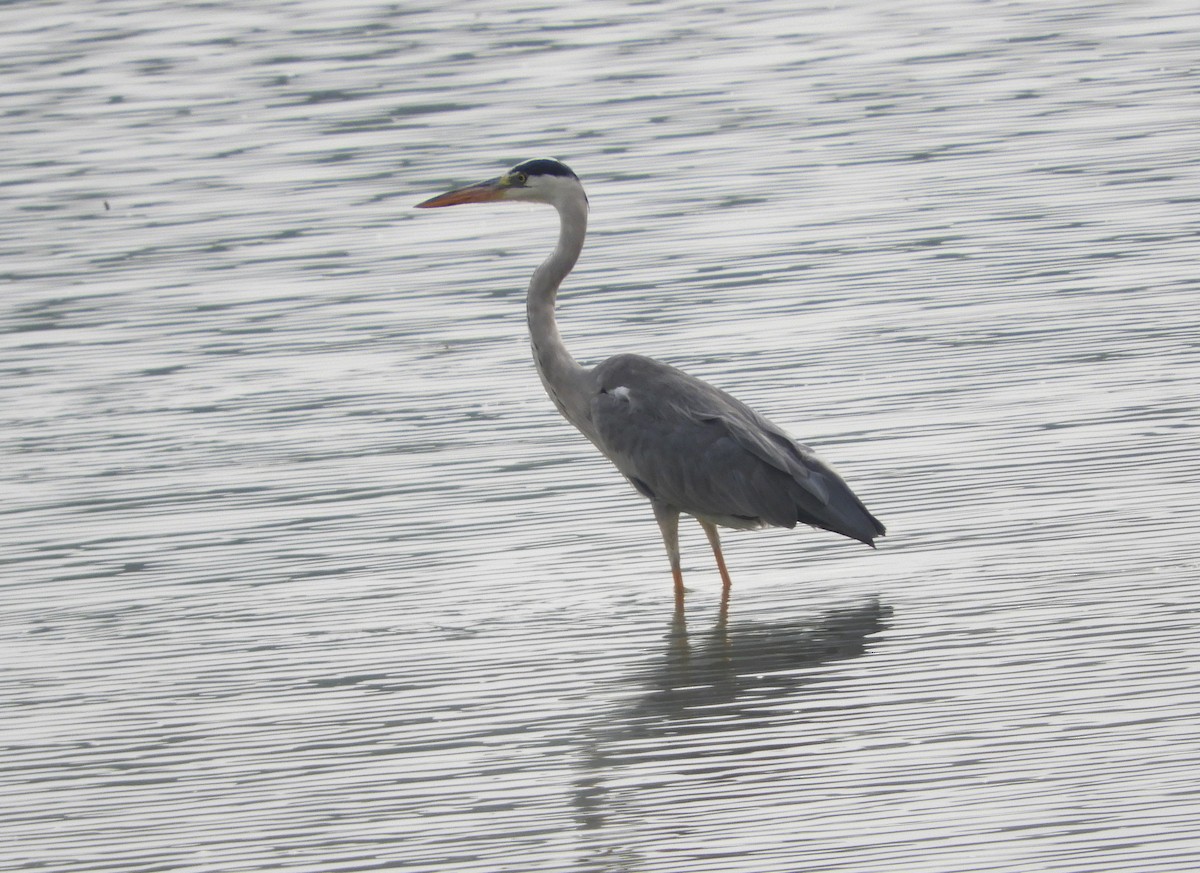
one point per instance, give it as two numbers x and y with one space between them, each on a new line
543 180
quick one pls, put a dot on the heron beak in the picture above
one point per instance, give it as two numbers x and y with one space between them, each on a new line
480 192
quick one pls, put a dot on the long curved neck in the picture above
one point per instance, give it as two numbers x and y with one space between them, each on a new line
564 378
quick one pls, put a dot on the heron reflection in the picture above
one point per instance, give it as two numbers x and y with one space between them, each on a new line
718 690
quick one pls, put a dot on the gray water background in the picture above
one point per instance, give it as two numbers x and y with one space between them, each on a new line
300 570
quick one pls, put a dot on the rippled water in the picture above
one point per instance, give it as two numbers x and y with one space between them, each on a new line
301 570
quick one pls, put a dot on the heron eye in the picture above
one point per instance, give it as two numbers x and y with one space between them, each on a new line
518 178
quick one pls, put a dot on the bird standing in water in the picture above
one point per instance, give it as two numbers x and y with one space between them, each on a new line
684 445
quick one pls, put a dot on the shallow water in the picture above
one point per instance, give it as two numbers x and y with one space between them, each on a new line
301 570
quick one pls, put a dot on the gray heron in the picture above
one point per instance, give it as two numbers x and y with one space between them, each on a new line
684 445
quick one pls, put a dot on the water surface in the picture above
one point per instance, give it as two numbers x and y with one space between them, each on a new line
301 570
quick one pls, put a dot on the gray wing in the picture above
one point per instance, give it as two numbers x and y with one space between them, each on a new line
684 443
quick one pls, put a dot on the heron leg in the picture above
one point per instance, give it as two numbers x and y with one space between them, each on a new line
668 523
714 540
